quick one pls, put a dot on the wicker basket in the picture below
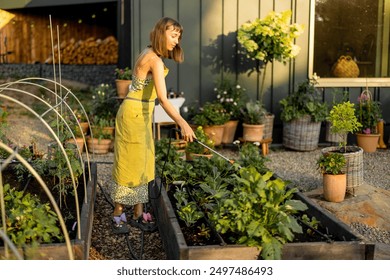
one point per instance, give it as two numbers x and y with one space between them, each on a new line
345 67
332 137
301 134
268 126
354 166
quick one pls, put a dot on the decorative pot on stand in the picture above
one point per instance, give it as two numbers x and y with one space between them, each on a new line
252 132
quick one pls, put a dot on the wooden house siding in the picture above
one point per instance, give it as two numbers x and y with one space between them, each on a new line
211 51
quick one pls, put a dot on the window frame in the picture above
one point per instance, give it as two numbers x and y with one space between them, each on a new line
337 82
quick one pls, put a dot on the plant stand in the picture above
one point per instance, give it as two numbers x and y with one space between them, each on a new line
176 247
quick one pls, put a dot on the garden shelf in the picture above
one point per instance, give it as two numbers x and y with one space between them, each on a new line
349 247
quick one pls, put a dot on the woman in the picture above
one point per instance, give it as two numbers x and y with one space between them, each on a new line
134 162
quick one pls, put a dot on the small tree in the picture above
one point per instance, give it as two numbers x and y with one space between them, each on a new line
343 120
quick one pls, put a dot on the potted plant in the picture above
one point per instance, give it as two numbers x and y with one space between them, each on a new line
123 81
232 97
343 120
338 97
332 167
194 149
266 40
302 114
100 140
104 103
369 113
212 117
253 121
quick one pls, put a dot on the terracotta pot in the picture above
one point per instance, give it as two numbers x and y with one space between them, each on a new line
252 132
97 146
122 87
335 187
215 133
79 143
84 127
109 130
368 142
229 131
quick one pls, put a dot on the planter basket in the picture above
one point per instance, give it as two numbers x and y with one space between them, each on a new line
268 126
354 165
330 136
301 134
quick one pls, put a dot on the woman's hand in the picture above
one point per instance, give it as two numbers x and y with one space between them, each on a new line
187 133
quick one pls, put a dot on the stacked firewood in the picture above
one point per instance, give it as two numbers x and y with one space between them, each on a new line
89 51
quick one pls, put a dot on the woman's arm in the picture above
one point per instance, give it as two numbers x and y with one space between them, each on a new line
157 69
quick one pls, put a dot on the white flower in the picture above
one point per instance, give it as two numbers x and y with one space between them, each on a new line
236 142
185 109
256 143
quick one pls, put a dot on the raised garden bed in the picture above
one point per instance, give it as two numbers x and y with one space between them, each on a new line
80 246
344 245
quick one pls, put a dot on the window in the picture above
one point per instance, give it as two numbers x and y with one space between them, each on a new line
356 29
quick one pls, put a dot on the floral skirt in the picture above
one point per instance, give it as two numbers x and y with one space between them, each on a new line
129 195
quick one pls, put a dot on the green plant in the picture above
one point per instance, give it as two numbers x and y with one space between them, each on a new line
369 113
187 210
104 103
28 221
249 206
331 163
212 113
196 148
306 100
268 39
253 113
231 96
263 217
249 155
99 128
343 120
123 73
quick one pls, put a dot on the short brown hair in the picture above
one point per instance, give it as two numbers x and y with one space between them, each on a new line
158 43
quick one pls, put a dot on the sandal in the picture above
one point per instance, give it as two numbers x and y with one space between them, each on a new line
119 225
144 223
